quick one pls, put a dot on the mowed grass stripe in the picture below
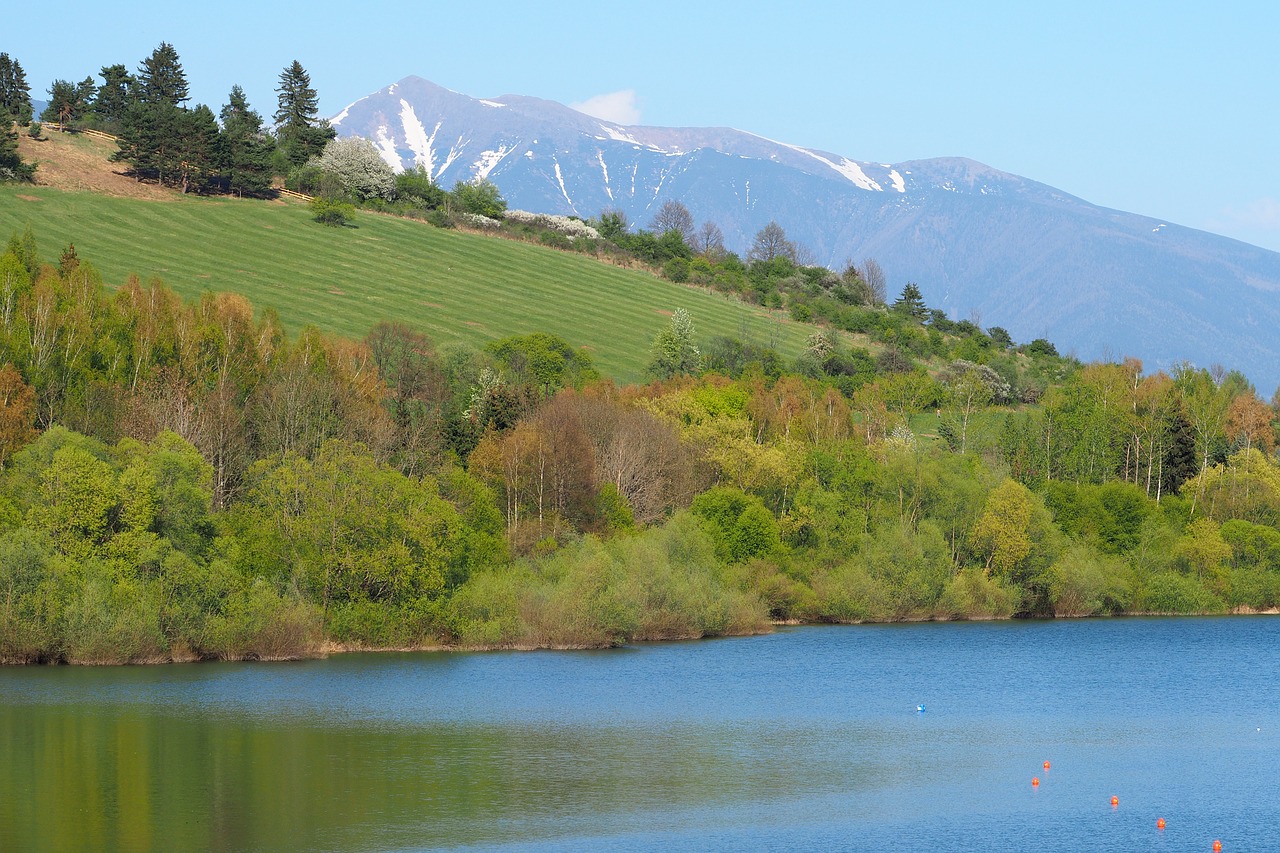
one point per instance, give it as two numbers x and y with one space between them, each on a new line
456 287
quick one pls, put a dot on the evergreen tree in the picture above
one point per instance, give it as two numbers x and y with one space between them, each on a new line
197 155
114 96
300 132
246 150
12 168
154 123
911 303
161 79
68 102
149 140
15 94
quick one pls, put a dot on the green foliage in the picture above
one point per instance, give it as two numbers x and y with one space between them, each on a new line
12 166
415 185
300 132
332 211
675 353
15 94
739 524
481 198
545 362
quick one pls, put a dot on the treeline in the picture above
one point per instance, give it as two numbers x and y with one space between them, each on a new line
185 480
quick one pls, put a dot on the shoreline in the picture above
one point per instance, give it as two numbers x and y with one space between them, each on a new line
329 648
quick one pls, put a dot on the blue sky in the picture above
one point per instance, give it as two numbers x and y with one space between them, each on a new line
1167 109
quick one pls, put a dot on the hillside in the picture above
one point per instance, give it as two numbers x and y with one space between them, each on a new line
979 242
456 287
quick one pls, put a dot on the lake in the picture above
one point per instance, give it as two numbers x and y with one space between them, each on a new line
807 739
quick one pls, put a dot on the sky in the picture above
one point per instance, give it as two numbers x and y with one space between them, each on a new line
1169 109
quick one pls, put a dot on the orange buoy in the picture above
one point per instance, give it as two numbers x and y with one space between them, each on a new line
1115 801
1046 765
1159 823
1035 781
1217 846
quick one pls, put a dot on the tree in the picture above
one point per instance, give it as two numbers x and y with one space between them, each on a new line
197 155
873 274
245 149
114 95
300 133
161 79
545 362
674 216
771 242
674 351
911 303
68 102
709 240
482 198
358 168
12 166
15 94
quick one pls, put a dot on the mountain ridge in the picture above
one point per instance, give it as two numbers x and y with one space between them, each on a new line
979 242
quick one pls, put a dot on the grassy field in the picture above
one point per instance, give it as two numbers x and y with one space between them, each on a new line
451 285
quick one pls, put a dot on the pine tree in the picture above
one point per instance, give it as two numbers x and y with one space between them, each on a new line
68 102
12 167
197 157
300 133
15 94
114 96
911 302
246 150
161 79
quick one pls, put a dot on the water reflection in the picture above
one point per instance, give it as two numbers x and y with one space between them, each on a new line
803 740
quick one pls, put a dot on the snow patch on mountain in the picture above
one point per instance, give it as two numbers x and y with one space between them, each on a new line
489 159
416 137
455 151
563 190
386 145
491 103
604 170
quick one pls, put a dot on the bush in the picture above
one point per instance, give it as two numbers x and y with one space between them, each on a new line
35 129
330 211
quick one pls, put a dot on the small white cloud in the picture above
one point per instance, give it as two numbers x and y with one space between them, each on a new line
619 107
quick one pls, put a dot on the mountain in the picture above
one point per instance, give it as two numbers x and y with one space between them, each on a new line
981 244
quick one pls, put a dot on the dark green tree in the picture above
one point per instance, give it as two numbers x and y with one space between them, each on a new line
161 79
198 155
15 94
911 303
114 96
12 167
245 149
300 133
69 102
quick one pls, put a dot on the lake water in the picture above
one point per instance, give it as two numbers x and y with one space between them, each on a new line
808 739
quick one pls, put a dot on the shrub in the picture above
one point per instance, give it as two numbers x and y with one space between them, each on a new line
330 211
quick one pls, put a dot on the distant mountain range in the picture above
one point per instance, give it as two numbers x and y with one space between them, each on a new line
980 243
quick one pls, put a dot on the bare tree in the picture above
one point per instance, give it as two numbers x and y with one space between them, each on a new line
871 272
771 242
709 240
674 216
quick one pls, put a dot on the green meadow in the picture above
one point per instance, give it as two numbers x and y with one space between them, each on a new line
454 286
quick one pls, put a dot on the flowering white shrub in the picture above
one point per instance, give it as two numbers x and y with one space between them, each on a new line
475 220
563 224
358 166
